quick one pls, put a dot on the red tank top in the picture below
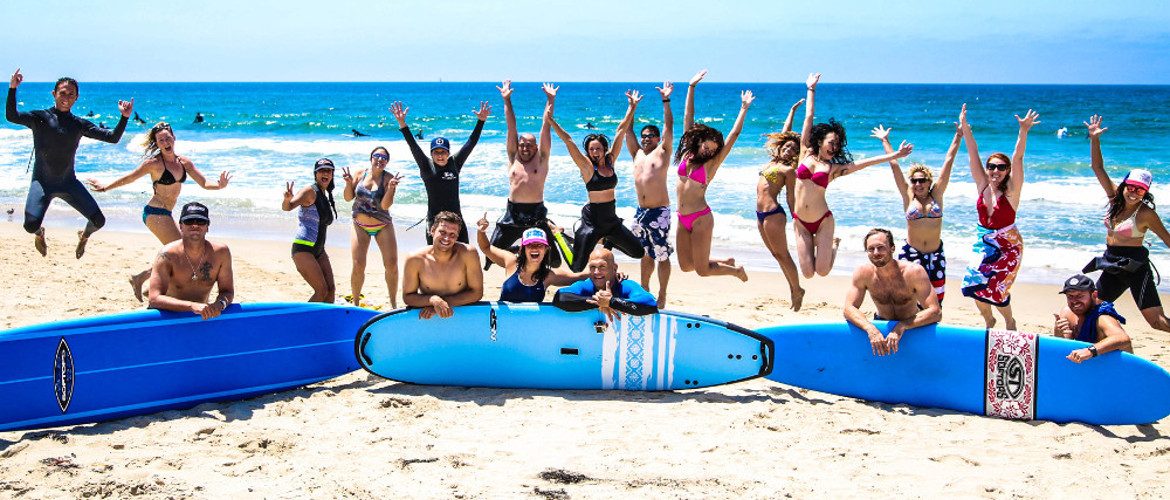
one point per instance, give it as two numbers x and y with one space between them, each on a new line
1004 215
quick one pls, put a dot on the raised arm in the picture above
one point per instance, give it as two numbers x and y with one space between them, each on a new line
509 119
746 99
224 177
10 111
632 141
791 116
303 198
689 114
583 163
350 184
809 109
1016 182
545 136
391 189
633 97
1098 162
882 133
143 169
978 175
944 176
903 151
498 256
420 157
666 140
481 116
97 133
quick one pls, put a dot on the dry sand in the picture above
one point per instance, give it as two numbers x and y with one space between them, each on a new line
358 436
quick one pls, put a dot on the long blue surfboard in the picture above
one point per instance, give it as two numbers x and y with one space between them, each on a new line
107 367
534 346
998 373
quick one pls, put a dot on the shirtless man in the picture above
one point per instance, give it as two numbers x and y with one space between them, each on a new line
443 275
652 219
901 291
527 171
185 270
1089 319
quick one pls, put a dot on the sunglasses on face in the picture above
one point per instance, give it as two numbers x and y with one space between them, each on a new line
1134 187
920 180
1002 167
649 136
199 223
380 156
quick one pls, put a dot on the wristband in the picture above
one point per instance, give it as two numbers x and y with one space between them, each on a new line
1093 350
666 100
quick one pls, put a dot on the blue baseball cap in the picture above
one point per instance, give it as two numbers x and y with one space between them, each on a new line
440 143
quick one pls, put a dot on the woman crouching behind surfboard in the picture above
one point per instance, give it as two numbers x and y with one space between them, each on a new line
529 271
317 211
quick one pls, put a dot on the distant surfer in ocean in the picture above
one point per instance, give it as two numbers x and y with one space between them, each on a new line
357 133
527 173
652 219
198 117
599 217
700 153
999 249
824 157
783 149
440 170
900 290
922 202
1087 318
1126 263
605 290
138 119
316 211
56 134
168 171
185 270
443 275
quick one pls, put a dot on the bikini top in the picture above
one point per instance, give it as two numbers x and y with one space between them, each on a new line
698 175
1003 216
819 178
933 211
771 173
601 182
167 178
369 202
1126 228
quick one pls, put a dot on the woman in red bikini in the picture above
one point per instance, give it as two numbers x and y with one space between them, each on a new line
700 152
999 249
823 158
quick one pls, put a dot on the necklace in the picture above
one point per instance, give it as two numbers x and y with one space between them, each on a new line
185 256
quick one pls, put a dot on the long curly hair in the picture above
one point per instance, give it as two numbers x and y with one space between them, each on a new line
151 142
822 130
776 142
694 138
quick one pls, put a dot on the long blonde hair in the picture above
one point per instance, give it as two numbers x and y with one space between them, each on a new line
776 142
151 142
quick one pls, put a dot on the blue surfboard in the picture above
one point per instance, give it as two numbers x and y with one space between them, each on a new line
534 346
988 372
106 367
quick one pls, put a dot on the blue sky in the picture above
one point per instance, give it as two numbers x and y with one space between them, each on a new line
1072 41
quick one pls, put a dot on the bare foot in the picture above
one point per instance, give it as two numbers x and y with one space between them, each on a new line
81 241
741 273
1010 324
797 298
39 242
136 285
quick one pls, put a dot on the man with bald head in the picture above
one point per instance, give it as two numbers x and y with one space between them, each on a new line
604 291
527 171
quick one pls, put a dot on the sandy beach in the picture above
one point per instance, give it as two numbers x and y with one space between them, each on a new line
360 436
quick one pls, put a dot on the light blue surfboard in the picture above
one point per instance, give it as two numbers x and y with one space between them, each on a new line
1004 374
534 346
107 367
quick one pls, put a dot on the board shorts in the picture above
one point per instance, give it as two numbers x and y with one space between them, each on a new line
652 228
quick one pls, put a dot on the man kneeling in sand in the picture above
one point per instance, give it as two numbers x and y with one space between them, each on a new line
603 290
185 270
901 291
1089 319
443 275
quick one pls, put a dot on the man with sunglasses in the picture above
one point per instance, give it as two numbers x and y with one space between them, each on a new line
440 171
652 220
185 270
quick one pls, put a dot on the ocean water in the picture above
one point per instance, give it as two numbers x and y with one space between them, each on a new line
269 133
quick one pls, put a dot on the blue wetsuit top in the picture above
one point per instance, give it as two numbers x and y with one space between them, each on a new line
515 291
628 297
1088 331
56 135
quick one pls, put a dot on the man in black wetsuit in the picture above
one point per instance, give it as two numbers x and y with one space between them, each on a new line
56 134
440 171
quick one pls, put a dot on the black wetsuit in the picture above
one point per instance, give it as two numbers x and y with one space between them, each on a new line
56 135
600 220
442 183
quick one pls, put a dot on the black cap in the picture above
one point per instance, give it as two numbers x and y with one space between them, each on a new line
1078 283
194 212
323 164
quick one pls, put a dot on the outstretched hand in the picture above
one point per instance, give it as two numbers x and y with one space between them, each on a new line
798 103
224 178
963 126
482 223
698 77
17 78
904 149
505 89
126 107
665 90
485 110
1094 126
97 186
746 97
399 111
1030 118
813 79
634 97
550 90
881 133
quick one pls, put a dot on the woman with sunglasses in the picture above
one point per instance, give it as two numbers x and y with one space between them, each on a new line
922 201
372 193
167 170
824 157
999 248
599 217
771 220
317 212
1126 262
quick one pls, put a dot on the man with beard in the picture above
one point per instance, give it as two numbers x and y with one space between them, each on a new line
440 171
652 219
185 270
527 171
1089 319
443 275
901 292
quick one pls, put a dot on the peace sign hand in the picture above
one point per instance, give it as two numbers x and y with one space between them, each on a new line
394 179
485 110
346 176
288 191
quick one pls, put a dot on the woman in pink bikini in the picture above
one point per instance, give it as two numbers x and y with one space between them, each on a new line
999 248
823 158
700 152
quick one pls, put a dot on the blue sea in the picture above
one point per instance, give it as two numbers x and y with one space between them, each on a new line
269 133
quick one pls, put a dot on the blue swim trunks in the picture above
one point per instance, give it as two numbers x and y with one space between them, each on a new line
652 228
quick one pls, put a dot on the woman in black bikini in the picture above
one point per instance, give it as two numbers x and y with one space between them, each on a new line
167 172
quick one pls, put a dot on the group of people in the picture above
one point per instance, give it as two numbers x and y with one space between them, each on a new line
536 254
